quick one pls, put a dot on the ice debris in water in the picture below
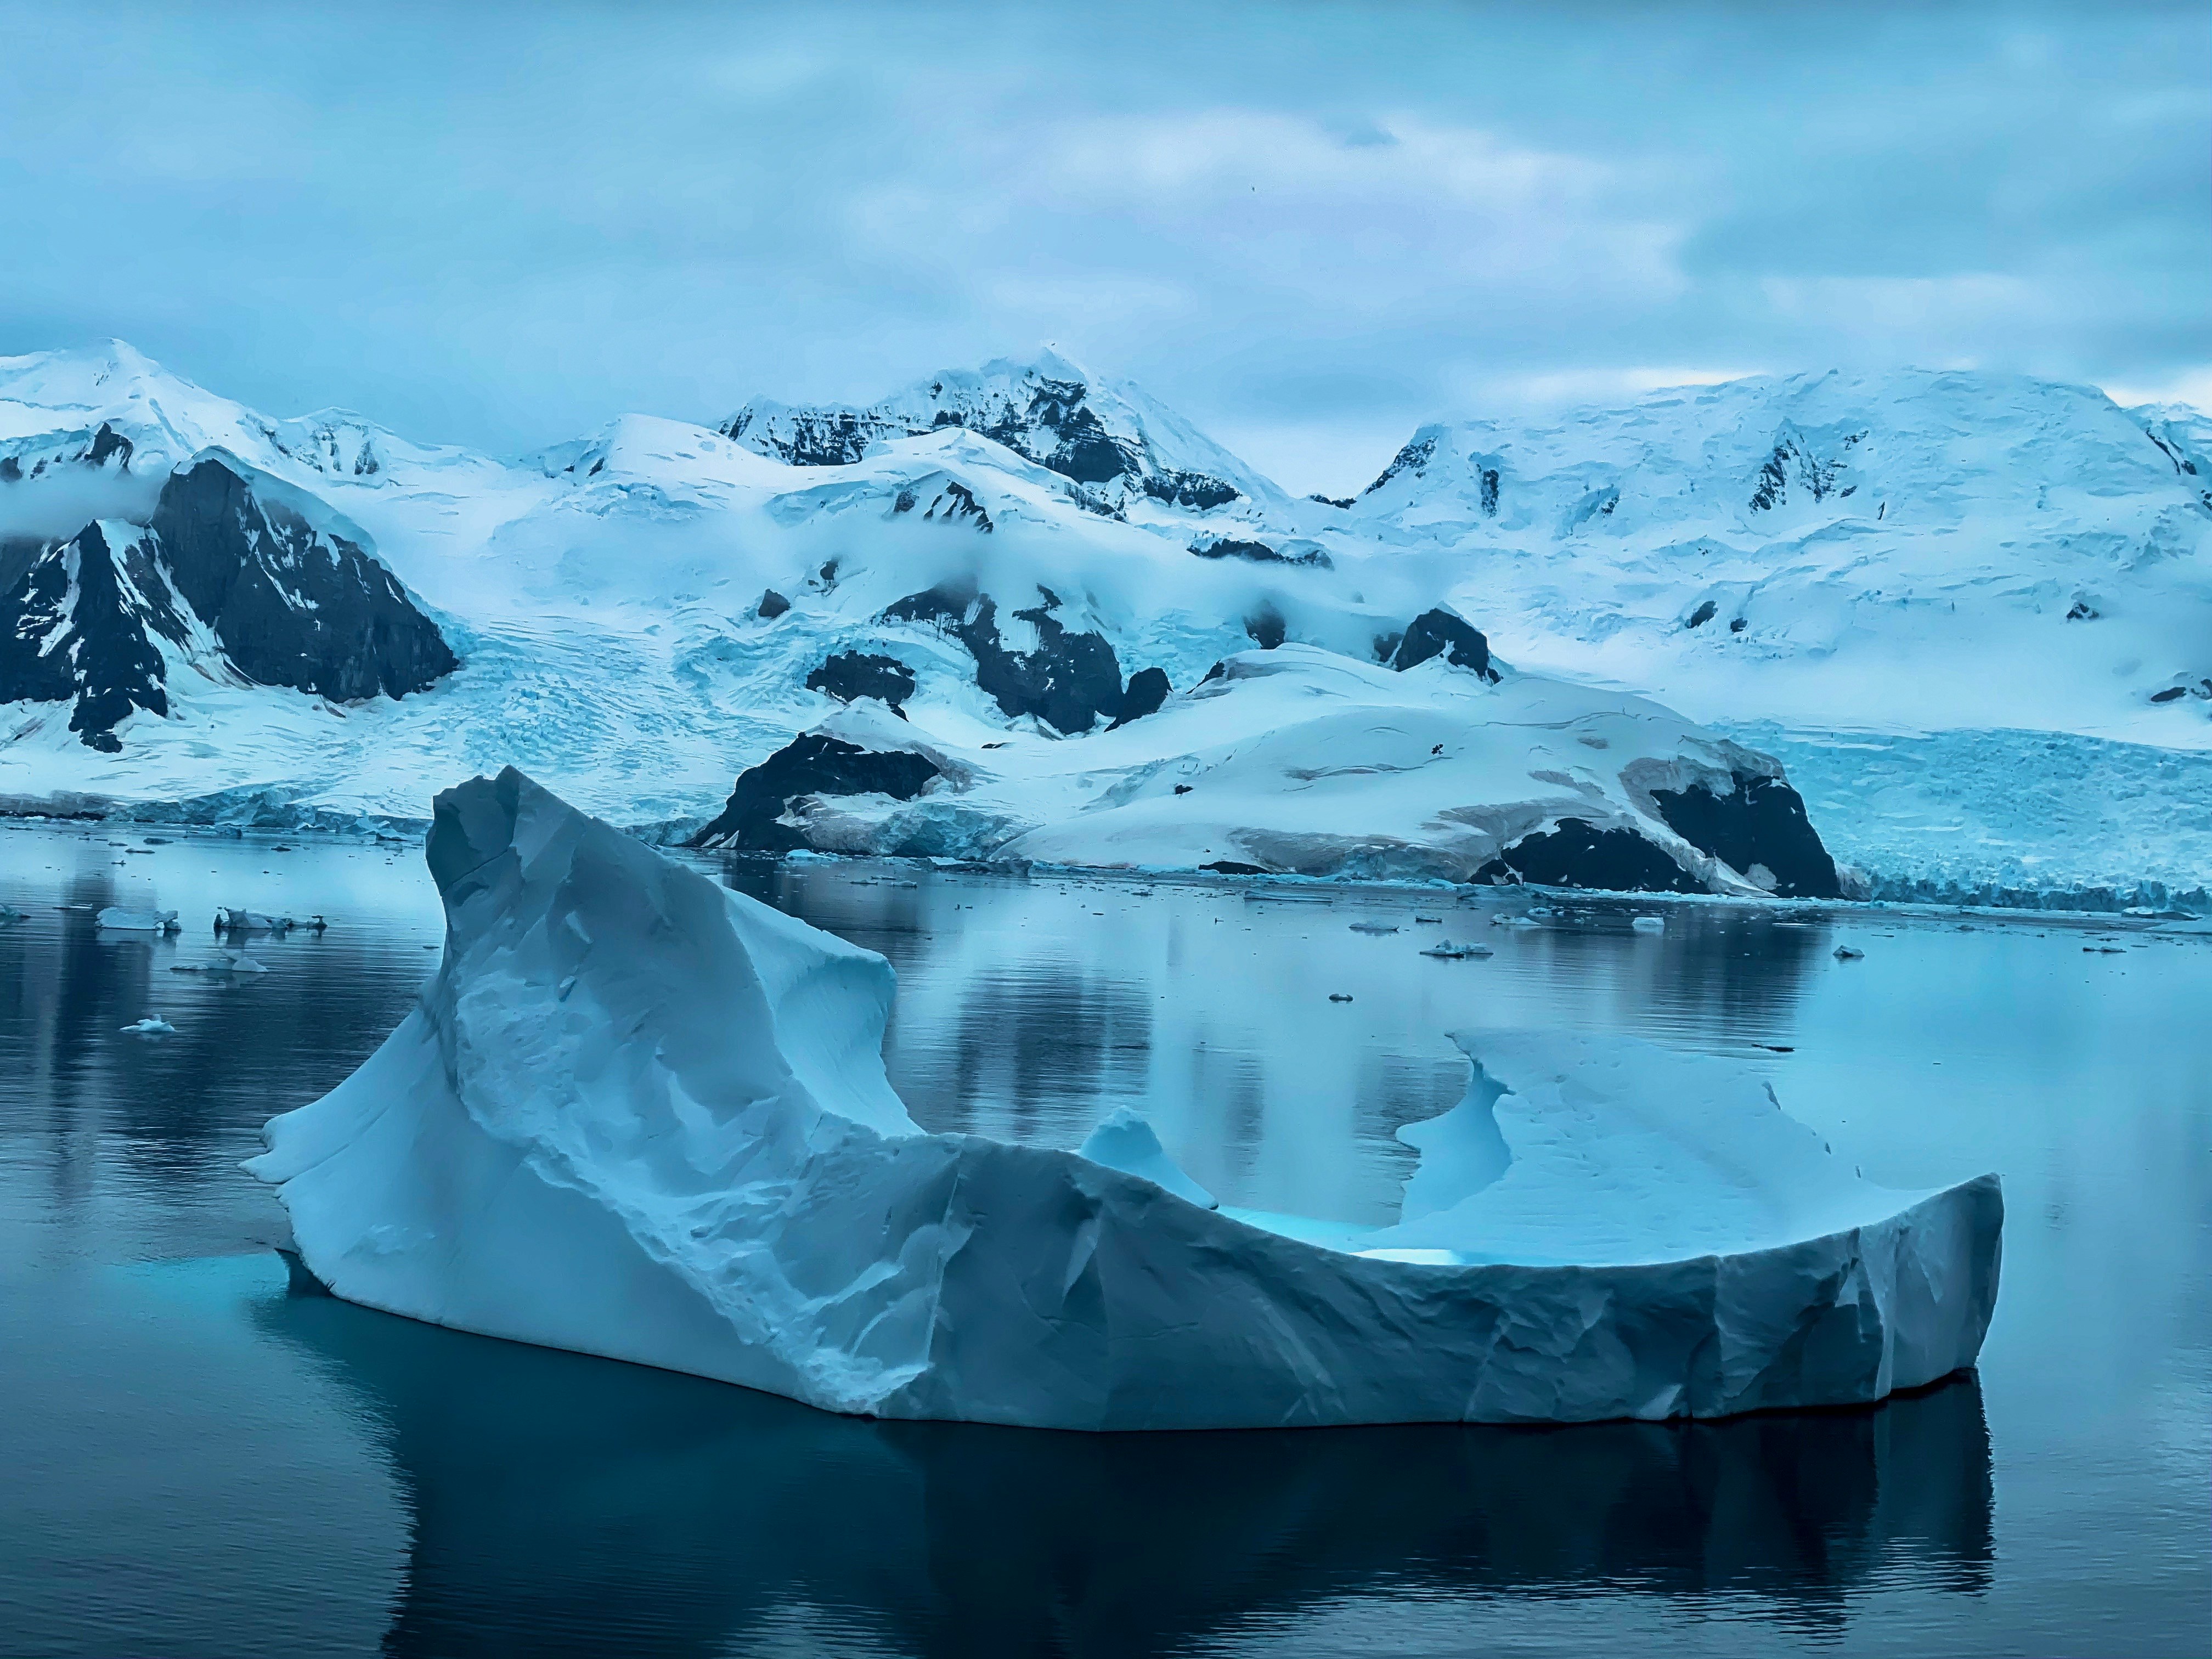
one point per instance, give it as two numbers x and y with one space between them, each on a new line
150 1026
1849 953
694 1161
118 920
1649 924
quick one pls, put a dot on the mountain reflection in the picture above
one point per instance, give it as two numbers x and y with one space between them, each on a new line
567 1504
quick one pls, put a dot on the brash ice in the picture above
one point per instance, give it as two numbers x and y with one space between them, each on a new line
638 1116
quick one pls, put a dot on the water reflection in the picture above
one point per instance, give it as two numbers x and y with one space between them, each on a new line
565 1505
1031 1007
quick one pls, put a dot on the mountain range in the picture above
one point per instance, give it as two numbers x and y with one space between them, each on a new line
1095 636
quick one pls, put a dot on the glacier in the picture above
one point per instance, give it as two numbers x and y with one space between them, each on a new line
638 1116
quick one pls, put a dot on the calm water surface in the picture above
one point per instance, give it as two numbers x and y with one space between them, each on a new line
197 1461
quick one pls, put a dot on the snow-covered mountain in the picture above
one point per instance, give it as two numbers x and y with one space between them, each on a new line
236 577
1116 445
1911 550
1017 560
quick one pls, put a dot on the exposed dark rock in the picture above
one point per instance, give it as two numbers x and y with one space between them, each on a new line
292 605
809 764
1737 625
1147 689
1227 547
2082 611
1386 644
107 444
1332 500
11 470
1414 458
1215 672
851 674
1266 628
835 437
286 604
1231 867
1442 631
1070 681
1704 614
2172 694
1191 489
97 649
952 500
1794 461
1760 821
1489 477
772 605
1573 854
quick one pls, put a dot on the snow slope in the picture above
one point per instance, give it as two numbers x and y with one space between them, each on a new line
1304 762
1911 551
639 1116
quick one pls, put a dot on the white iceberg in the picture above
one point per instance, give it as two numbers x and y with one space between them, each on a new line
118 920
638 1116
152 1025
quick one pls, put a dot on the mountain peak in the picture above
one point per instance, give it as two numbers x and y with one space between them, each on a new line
1108 436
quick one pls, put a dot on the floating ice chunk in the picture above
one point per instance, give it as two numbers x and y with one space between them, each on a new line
118 920
1649 924
150 1026
228 921
694 1160
1376 927
1125 1141
1849 953
9 913
1446 949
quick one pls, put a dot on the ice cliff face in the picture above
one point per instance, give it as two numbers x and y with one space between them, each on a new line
638 1116
236 577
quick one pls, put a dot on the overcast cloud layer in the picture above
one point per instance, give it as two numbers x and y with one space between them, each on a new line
1310 227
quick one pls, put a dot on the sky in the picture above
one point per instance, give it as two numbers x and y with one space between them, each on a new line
1310 227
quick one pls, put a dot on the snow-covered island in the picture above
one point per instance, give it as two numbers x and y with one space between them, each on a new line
638 1116
1814 634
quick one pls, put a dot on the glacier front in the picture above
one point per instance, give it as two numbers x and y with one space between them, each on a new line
638 1116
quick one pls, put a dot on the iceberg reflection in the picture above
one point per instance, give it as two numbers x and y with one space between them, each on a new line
568 1504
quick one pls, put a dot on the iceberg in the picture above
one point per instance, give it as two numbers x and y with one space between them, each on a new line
637 1116
118 920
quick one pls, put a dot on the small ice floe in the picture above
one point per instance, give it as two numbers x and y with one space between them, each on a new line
1649 924
1849 953
1339 996
2104 950
1449 951
1378 928
1431 921
9 913
230 962
118 920
150 1026
1501 920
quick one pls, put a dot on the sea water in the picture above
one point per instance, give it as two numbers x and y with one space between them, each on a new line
199 1459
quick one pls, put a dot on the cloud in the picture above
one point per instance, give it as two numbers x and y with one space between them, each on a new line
501 224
